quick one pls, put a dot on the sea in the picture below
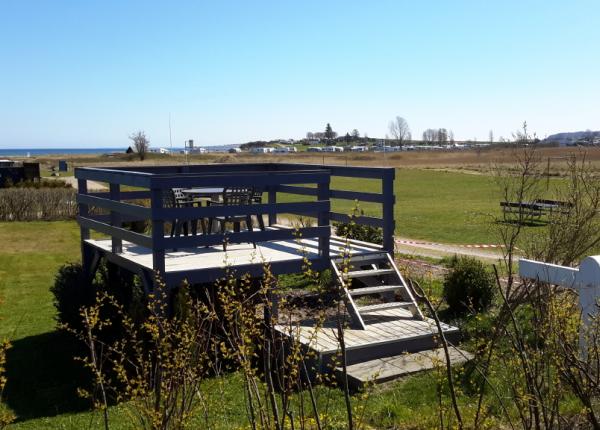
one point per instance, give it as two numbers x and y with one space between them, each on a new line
36 152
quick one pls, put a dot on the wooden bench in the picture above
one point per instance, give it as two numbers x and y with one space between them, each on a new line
536 209
525 210
553 206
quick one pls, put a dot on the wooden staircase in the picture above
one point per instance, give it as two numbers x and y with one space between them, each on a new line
377 276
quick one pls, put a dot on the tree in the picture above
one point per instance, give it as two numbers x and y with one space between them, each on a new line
442 136
310 135
347 138
522 137
355 134
400 131
451 137
329 133
430 136
141 143
491 136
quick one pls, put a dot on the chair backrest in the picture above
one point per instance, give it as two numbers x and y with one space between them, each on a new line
257 194
233 196
168 198
178 196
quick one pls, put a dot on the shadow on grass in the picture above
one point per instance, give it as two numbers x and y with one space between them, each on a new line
43 377
524 223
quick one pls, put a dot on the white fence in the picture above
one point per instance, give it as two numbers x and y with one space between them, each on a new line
585 280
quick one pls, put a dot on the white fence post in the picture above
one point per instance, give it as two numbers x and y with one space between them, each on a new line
585 279
588 281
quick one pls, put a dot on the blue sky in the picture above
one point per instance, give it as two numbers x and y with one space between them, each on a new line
82 73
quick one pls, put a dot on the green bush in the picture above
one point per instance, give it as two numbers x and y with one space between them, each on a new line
468 286
72 292
37 184
365 233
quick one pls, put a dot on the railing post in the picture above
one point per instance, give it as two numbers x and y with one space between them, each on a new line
389 225
272 200
323 193
158 233
86 256
83 207
115 218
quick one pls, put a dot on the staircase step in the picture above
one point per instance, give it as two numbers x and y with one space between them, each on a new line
389 368
379 256
366 273
374 290
383 306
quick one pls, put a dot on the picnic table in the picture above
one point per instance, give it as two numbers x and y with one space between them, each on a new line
199 195
536 208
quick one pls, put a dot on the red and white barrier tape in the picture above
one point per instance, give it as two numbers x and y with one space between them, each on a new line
414 242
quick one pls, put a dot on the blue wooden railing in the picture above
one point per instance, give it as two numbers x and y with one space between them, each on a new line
118 206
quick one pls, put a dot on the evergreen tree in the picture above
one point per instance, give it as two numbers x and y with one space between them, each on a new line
329 134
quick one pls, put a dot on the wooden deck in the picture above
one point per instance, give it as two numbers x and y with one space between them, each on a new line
237 255
389 368
389 332
199 258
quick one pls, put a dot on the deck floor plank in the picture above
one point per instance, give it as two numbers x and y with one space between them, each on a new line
187 259
385 326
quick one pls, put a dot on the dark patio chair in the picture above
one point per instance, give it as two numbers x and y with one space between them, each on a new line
169 201
257 195
233 196
183 201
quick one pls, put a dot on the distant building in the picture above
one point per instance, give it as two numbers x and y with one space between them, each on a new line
262 150
285 149
388 149
129 150
18 172
197 150
163 151
234 150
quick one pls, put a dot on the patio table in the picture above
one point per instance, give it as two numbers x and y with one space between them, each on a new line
203 191
204 194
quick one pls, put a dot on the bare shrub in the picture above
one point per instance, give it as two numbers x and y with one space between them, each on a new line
31 204
573 230
157 366
534 341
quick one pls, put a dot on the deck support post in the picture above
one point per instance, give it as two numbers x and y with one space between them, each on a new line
158 234
272 200
86 252
388 210
115 218
323 193
90 260
147 280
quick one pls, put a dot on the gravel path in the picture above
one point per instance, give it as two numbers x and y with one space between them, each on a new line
92 185
438 250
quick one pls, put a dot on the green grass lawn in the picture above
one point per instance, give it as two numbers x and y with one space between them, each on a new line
431 205
445 207
43 377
